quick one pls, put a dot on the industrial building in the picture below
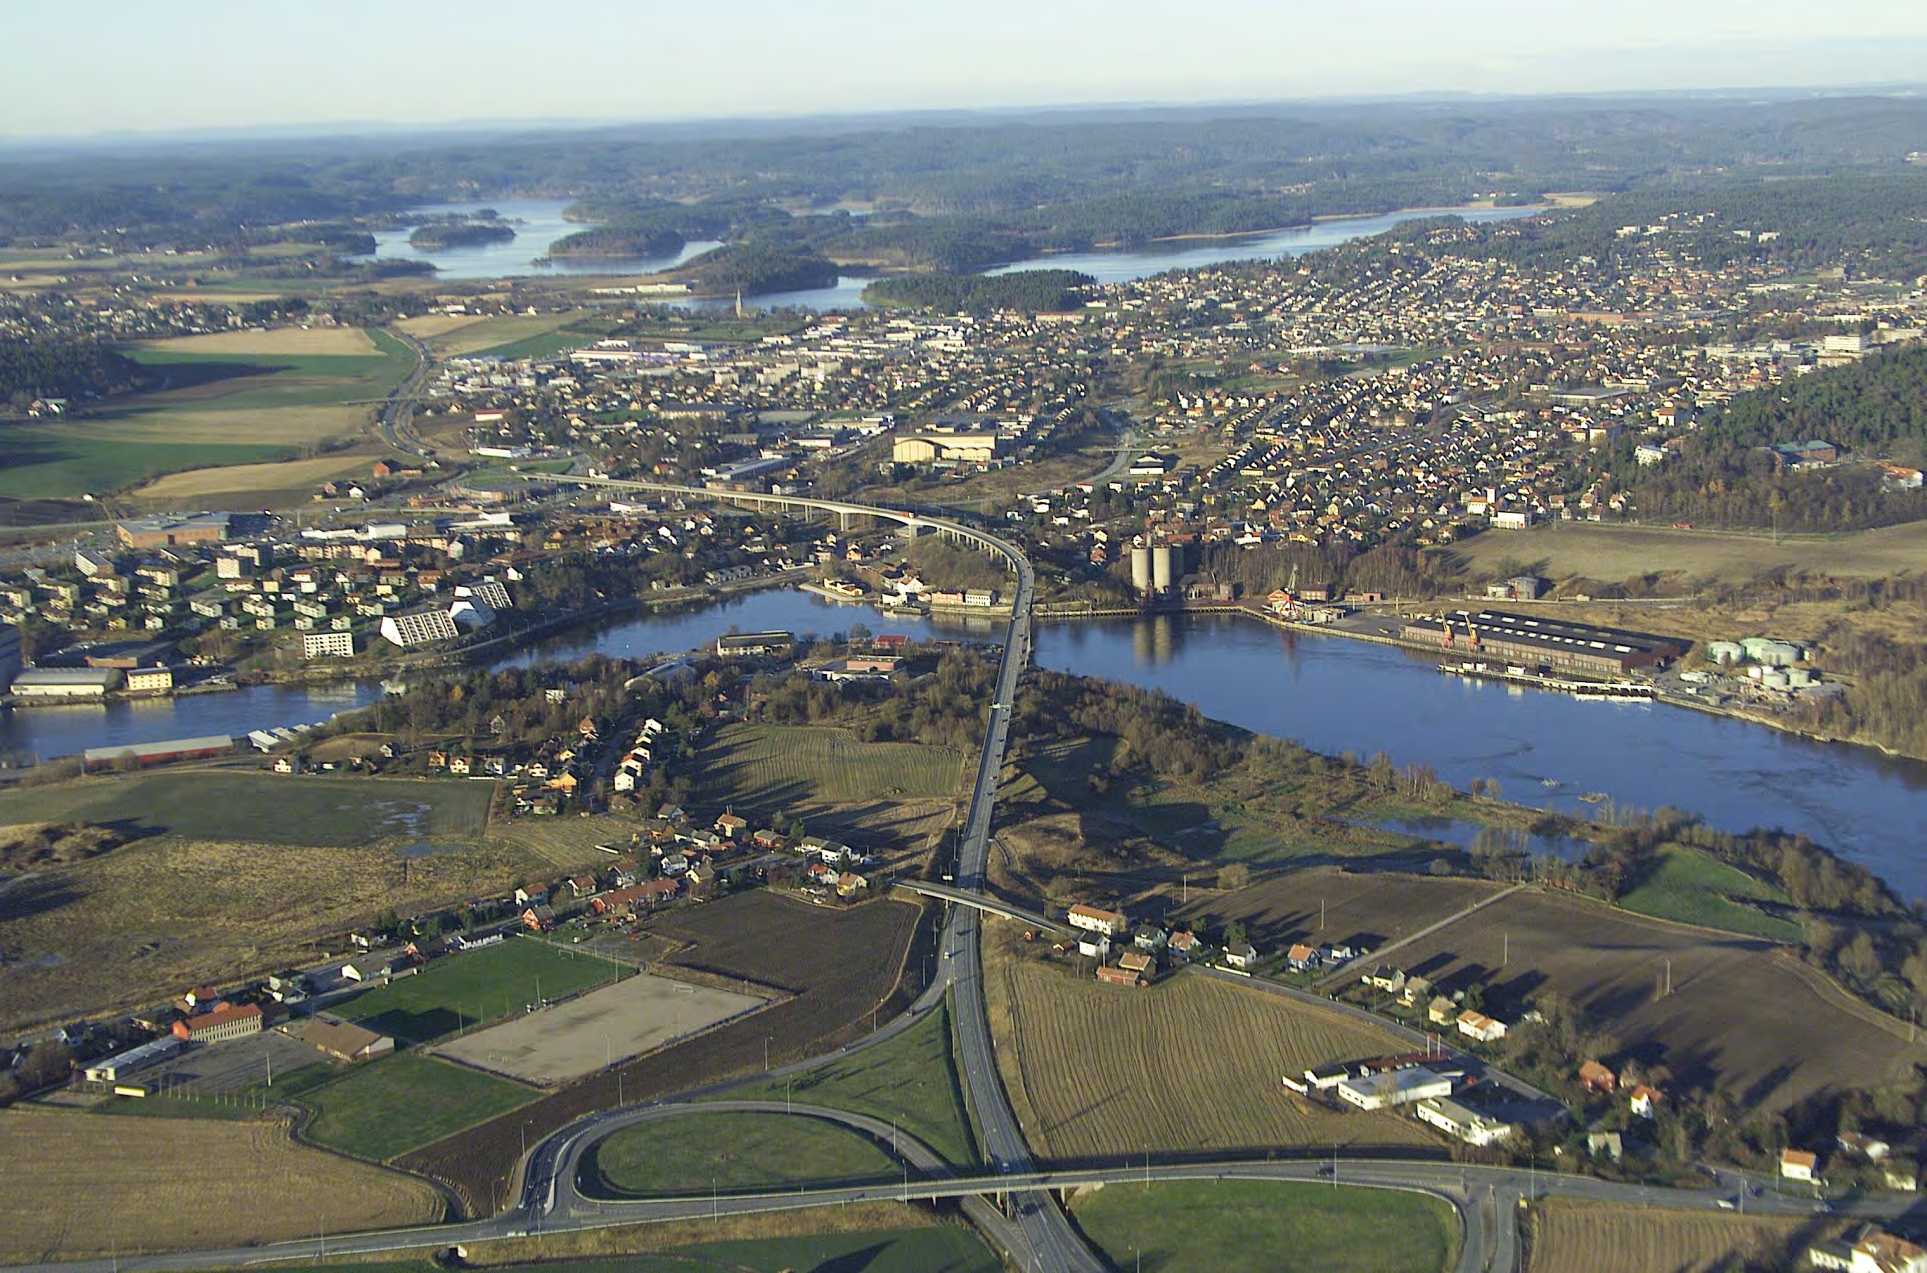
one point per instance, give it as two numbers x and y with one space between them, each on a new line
1387 1088
160 753
946 448
167 530
1156 569
754 644
1462 1121
121 1064
1534 642
66 682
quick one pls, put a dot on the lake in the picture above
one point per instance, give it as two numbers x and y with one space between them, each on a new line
539 223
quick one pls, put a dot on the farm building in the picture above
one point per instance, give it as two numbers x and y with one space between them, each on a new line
345 1042
1118 975
223 1022
159 753
1543 642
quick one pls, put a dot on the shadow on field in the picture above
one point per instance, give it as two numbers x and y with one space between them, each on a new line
37 895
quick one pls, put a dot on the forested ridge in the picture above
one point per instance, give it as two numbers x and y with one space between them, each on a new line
32 369
1030 291
1725 474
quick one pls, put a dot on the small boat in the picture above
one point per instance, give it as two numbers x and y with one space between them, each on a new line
1550 782
1593 797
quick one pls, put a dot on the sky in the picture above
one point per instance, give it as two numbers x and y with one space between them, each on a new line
115 66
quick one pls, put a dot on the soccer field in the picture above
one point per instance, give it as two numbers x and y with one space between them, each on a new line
477 986
604 1026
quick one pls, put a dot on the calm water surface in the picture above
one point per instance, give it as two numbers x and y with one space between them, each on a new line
540 223
1333 695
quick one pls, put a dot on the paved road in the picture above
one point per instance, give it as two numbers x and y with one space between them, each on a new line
1487 1199
398 408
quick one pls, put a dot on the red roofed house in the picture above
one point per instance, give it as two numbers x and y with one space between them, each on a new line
224 1021
1597 1077
1799 1164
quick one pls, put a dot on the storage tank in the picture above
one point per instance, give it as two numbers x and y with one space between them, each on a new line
1141 569
1798 678
1166 566
1773 678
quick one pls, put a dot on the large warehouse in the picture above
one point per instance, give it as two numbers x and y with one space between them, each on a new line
1534 642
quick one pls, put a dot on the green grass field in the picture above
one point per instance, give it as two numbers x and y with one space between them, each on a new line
380 1109
543 345
63 460
218 410
939 1249
1693 888
263 808
1248 1226
910 1080
773 767
734 1153
478 986
259 381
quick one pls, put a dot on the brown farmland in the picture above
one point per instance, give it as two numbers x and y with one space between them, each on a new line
1742 1015
1366 908
839 965
1189 1064
87 1184
1570 1237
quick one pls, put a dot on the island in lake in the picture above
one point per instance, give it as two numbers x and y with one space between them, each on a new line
459 234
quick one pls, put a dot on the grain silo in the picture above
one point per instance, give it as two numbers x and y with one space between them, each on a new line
1141 569
1166 566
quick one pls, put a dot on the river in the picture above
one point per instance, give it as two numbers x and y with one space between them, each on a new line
1331 693
539 223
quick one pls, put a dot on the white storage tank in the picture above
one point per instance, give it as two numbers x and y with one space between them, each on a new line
1166 566
1141 569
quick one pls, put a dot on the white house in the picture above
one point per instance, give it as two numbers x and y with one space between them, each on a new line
1092 920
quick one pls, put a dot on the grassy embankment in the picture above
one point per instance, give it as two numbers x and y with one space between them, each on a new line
911 1080
1693 888
734 1153
1246 1226
873 1237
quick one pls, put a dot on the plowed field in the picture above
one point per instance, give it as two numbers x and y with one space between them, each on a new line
1187 1064
180 1184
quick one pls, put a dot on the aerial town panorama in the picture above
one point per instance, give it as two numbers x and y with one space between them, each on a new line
1326 684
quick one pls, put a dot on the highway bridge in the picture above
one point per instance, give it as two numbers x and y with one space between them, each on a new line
981 901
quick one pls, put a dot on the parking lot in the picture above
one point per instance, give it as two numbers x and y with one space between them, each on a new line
214 1069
